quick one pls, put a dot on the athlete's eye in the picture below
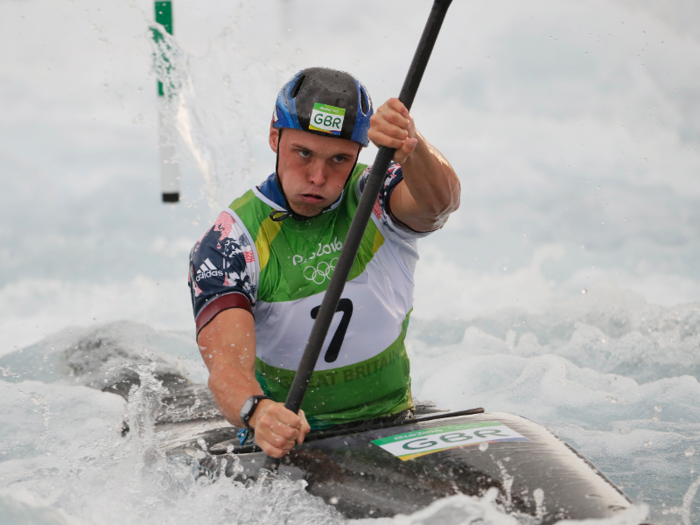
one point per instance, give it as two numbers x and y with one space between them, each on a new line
305 153
339 158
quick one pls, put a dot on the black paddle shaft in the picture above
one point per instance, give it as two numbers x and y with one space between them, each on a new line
362 215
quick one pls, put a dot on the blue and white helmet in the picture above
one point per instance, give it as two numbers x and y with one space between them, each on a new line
325 102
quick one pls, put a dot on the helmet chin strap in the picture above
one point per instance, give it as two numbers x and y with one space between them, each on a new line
279 216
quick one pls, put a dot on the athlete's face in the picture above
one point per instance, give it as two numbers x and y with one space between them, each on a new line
313 169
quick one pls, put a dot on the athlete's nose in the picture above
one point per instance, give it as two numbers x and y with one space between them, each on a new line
317 173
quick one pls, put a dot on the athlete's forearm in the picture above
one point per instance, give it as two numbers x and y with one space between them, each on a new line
431 191
227 345
230 389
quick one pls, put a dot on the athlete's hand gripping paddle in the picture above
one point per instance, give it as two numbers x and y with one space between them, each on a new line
362 214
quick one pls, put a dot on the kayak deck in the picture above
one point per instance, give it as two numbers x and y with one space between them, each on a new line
383 471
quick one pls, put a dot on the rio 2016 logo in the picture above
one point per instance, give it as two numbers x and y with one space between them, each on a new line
323 249
320 272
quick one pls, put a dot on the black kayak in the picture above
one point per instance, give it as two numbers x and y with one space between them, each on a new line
382 469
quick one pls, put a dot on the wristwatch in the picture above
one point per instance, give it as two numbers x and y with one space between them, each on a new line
249 408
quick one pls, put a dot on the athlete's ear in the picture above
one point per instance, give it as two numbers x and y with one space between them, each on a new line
274 138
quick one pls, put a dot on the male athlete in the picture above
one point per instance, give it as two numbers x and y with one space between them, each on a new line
258 275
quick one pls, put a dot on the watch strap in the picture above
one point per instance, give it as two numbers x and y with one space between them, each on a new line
245 417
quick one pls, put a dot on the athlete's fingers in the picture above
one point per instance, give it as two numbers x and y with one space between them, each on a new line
274 434
406 149
392 117
270 449
398 106
379 123
290 425
280 441
391 129
285 431
270 423
305 428
277 412
395 112
382 135
383 132
270 429
379 140
287 417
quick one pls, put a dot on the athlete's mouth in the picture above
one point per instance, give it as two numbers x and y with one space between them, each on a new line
310 197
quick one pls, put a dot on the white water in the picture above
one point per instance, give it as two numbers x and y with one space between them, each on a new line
573 127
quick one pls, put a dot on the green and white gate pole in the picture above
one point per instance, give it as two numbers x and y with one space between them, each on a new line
169 167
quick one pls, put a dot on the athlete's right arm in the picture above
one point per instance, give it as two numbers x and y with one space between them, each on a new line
227 345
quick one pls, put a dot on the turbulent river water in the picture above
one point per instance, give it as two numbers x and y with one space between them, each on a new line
565 289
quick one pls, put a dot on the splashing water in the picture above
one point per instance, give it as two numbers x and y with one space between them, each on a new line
80 469
219 137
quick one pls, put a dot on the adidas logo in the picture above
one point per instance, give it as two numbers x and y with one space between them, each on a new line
207 269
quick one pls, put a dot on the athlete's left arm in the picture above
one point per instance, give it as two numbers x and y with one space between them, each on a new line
431 189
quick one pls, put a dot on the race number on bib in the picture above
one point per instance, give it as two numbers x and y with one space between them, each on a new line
327 118
421 442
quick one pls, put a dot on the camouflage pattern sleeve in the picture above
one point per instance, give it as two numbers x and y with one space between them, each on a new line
382 209
223 271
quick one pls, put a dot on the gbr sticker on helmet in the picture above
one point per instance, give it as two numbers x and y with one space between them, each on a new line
326 118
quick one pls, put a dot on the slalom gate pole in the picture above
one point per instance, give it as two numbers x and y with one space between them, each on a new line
169 167
362 215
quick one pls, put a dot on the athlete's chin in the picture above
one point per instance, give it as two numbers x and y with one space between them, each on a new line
307 210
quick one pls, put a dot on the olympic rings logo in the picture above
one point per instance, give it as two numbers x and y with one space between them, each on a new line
321 272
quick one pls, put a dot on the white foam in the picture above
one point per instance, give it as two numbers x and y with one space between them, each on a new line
33 308
66 462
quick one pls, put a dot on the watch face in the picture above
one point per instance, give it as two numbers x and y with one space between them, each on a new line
247 406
